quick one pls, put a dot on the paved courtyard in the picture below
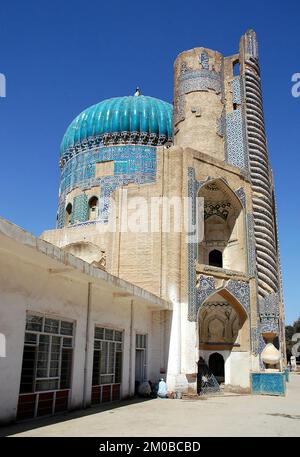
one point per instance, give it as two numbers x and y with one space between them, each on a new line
232 415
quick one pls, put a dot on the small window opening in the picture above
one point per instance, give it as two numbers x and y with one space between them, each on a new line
68 213
215 258
236 68
93 208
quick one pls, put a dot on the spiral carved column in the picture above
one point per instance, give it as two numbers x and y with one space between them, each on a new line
260 173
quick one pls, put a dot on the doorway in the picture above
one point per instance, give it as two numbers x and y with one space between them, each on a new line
216 366
140 365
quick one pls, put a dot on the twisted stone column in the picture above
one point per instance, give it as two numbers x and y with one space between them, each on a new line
260 172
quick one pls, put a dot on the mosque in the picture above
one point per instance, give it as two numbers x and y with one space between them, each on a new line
165 250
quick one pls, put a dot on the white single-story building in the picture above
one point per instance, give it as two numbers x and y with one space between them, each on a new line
72 335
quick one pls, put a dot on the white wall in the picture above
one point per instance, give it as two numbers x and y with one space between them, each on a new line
237 367
190 351
24 286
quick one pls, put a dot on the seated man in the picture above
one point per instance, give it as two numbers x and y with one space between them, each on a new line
162 389
144 389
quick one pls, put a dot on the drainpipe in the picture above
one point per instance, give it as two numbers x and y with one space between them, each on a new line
131 347
87 341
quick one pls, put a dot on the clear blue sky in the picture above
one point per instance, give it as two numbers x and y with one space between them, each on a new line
62 56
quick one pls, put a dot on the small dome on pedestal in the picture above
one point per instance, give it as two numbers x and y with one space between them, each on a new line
270 355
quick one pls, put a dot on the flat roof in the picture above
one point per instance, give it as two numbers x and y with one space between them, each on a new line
18 241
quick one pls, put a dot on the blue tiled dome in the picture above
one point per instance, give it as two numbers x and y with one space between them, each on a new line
133 119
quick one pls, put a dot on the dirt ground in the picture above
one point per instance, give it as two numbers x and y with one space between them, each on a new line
228 415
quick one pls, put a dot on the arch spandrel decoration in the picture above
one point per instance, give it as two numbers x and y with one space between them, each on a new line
241 195
238 290
241 291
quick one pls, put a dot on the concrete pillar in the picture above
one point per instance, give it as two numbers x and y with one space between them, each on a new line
176 381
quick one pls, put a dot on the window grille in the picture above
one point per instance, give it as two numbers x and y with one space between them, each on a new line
46 366
107 365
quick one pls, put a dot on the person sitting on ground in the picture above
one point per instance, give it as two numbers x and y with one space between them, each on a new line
153 389
144 390
162 389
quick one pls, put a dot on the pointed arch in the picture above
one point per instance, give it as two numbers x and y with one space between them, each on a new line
224 226
233 334
68 214
224 185
238 306
93 208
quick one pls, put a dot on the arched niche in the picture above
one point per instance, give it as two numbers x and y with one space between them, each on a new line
88 252
224 226
223 323
68 214
93 208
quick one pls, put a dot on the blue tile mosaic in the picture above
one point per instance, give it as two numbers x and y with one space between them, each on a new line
251 245
240 192
132 164
192 247
236 145
204 60
80 209
236 87
206 287
268 383
287 375
241 291
194 80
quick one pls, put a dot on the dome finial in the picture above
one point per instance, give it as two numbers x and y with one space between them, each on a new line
137 92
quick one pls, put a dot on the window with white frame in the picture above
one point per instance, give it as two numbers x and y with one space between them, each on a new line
140 341
108 349
47 356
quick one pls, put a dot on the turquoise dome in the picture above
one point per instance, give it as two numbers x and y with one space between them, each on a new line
135 119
